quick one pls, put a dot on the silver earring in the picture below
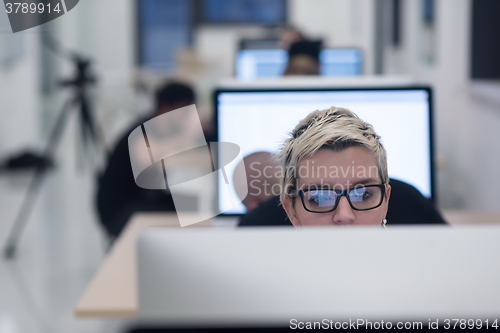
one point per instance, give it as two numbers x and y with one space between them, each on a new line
384 222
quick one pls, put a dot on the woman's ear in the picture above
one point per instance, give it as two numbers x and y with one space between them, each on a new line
290 211
388 190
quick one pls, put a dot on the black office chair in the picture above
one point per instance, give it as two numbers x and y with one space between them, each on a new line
406 206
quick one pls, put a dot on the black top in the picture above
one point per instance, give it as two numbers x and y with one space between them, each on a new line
309 48
118 196
406 206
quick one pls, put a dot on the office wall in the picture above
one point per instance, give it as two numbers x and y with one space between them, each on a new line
27 113
467 112
20 99
102 31
105 32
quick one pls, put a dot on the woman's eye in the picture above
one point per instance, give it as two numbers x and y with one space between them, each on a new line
360 195
367 195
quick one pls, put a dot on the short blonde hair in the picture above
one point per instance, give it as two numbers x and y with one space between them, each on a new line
334 128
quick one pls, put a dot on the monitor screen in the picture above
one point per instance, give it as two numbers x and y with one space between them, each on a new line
260 63
261 121
252 64
163 28
270 12
341 62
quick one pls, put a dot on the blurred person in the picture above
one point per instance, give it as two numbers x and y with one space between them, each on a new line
290 36
303 58
257 174
334 171
118 196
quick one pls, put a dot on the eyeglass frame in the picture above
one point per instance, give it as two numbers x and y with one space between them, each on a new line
342 193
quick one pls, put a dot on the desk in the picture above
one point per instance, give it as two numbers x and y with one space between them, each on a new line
112 292
457 217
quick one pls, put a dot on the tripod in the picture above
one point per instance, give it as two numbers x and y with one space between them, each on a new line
78 102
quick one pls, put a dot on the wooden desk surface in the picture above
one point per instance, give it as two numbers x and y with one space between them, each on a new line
112 292
458 217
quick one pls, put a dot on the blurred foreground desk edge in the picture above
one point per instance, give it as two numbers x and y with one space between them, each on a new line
112 292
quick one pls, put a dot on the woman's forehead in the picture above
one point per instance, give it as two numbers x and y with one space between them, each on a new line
354 165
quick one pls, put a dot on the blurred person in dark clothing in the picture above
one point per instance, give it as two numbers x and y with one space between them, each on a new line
118 196
303 58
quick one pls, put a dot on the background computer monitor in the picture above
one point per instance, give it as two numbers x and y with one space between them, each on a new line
341 62
261 63
259 120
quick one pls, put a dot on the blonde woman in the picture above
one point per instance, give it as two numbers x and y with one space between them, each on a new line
334 171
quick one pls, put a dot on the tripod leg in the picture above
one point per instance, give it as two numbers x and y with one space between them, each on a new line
94 131
24 213
29 199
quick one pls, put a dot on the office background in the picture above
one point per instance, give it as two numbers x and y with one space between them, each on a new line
64 243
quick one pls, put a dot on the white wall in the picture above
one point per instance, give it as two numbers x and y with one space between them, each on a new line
90 29
105 32
466 114
20 99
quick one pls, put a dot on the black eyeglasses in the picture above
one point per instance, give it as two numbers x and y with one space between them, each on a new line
326 200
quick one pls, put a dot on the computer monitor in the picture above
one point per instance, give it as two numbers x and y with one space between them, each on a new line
341 62
260 120
226 277
262 63
251 64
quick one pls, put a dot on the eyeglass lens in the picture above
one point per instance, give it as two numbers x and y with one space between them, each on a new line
322 200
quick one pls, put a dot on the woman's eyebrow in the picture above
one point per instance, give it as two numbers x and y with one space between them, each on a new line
322 186
365 181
